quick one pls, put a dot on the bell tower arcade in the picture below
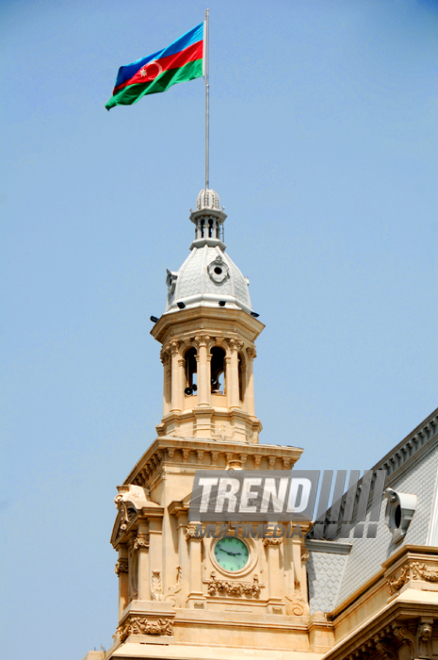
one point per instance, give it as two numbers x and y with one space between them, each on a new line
207 334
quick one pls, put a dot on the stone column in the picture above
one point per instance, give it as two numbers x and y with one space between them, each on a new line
165 359
176 403
181 378
141 545
233 399
228 379
275 603
183 555
249 395
204 374
121 570
183 551
196 595
300 556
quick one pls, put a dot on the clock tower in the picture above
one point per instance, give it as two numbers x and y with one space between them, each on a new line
182 595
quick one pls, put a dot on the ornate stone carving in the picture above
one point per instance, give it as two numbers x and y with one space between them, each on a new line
173 347
140 541
234 589
304 554
424 637
122 566
387 652
395 584
172 595
202 340
294 605
414 571
165 355
234 344
403 634
218 270
192 532
156 586
271 541
140 625
251 352
422 572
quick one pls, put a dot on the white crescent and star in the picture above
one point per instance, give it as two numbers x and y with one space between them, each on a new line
151 70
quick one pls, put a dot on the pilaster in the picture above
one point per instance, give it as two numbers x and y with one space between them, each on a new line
196 597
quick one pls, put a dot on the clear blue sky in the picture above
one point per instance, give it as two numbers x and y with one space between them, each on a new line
324 151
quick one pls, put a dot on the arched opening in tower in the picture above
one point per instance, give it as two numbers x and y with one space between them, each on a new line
217 370
191 372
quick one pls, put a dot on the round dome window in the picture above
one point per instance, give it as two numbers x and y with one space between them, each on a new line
218 270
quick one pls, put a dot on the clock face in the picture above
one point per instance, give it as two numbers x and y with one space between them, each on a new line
231 553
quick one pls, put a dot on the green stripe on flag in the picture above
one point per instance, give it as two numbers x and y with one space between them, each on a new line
133 93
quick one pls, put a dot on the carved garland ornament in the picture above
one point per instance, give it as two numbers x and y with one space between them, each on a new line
422 572
396 584
140 625
414 571
224 588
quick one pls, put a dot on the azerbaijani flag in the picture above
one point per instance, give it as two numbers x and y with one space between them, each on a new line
180 61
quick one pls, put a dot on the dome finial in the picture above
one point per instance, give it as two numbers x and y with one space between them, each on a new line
208 219
208 199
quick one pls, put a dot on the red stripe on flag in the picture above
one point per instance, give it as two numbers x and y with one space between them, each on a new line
153 69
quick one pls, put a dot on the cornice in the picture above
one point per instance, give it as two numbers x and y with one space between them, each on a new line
191 453
210 317
396 461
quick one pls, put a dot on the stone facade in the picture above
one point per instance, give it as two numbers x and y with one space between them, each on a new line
296 598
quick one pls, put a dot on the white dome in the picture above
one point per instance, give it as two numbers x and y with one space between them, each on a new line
208 199
208 276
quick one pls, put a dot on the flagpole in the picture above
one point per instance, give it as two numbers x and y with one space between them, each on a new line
207 105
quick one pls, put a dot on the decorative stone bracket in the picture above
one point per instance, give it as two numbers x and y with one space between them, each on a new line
121 566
